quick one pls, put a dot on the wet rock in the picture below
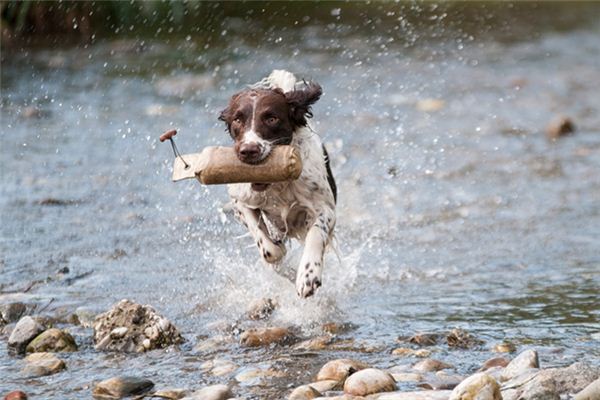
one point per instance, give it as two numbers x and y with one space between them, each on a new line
339 370
551 383
120 387
590 392
369 381
423 339
441 381
505 347
406 352
335 328
252 376
130 327
326 385
170 394
559 127
261 309
266 336
212 344
52 340
407 376
42 364
420 395
214 392
219 367
480 386
11 312
16 395
494 362
430 365
304 392
26 330
318 343
525 360
462 339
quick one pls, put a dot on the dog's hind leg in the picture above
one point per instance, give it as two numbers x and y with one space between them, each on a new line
308 276
270 251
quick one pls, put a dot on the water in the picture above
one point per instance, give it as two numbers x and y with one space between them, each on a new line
464 216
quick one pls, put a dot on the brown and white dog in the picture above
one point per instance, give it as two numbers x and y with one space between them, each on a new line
274 112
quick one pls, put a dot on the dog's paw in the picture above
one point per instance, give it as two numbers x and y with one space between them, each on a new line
271 252
308 279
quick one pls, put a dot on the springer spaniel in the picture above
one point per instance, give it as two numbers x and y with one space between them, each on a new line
270 113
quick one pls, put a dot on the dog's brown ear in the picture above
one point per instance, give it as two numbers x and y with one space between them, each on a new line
227 114
301 100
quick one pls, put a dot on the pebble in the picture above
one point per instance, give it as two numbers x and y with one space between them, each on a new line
441 380
430 365
369 381
494 362
131 327
119 387
424 339
505 347
25 330
52 340
407 376
462 339
304 392
420 395
404 351
590 392
559 127
477 387
265 336
11 312
252 376
317 343
16 395
219 367
171 394
334 328
525 360
326 385
339 370
215 343
214 392
42 364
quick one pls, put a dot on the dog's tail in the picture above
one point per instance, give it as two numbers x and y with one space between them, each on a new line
279 78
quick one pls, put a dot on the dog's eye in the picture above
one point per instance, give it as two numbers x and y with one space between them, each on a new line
272 120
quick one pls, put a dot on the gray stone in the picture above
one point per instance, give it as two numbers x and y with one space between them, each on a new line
42 364
524 361
591 392
339 370
52 340
131 327
480 386
304 392
369 381
25 330
170 394
214 392
11 312
420 395
120 387
430 365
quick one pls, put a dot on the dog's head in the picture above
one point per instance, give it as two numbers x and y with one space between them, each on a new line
258 119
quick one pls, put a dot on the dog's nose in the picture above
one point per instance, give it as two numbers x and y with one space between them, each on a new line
249 151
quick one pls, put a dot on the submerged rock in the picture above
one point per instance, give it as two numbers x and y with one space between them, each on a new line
494 362
25 331
317 343
339 370
304 392
11 312
505 347
266 336
369 381
214 392
524 361
480 386
42 364
52 340
423 339
119 387
130 327
460 338
404 351
219 367
326 385
430 365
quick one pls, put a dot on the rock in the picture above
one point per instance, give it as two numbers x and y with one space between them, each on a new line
214 392
430 365
317 343
505 347
559 127
406 376
339 370
16 395
404 351
261 309
477 387
462 339
119 387
304 392
525 360
423 339
334 328
130 327
591 392
219 367
215 343
25 330
170 394
551 383
326 385
11 312
494 362
420 395
85 316
252 376
441 381
368 381
42 364
266 336
52 340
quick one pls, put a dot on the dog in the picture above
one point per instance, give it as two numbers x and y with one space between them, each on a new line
275 112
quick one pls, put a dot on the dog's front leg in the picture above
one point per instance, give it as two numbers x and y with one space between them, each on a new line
308 277
269 250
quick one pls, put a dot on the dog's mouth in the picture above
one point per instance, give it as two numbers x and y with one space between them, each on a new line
259 187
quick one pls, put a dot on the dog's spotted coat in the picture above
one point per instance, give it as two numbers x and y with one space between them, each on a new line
259 118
